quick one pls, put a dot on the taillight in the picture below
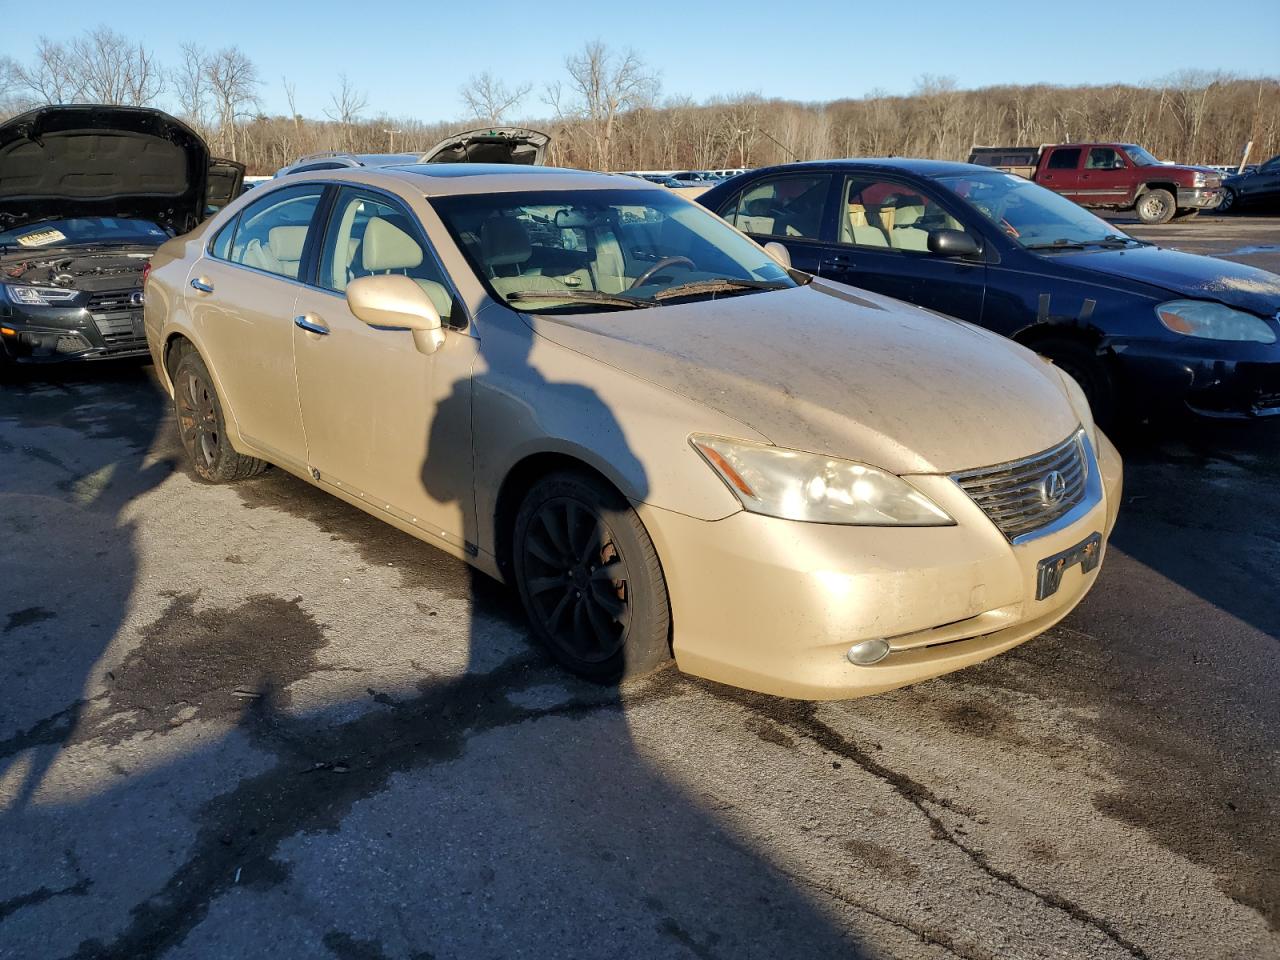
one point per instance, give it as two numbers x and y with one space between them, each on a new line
146 272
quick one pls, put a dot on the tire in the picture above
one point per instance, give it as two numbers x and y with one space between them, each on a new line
1155 206
590 579
201 425
1086 368
1183 215
1228 201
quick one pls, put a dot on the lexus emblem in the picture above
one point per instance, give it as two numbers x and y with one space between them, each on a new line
135 298
1053 488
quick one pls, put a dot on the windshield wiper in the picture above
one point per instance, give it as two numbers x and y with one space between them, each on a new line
1119 239
719 285
1060 244
578 296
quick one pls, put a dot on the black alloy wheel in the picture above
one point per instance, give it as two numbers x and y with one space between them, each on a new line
590 579
202 427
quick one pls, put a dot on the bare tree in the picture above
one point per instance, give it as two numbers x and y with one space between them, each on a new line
489 99
233 80
108 68
190 83
602 85
51 77
348 102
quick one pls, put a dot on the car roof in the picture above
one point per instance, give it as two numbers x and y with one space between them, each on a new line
919 167
445 179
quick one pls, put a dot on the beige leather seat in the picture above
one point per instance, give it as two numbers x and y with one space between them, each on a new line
504 250
905 235
286 245
859 231
386 248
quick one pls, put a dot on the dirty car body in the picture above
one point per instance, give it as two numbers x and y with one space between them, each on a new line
591 388
1144 329
87 193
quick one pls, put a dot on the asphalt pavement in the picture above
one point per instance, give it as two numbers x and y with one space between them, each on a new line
250 721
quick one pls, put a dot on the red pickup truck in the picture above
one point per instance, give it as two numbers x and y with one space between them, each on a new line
1119 176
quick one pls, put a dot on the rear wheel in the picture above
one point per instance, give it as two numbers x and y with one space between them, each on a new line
201 425
1084 366
1155 206
590 579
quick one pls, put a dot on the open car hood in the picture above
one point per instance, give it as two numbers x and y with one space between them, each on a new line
492 145
88 160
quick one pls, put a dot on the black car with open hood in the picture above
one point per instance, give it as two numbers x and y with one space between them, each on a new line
87 193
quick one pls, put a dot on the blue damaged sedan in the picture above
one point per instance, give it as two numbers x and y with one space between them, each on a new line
1143 329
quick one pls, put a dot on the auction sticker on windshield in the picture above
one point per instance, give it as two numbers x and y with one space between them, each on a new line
41 238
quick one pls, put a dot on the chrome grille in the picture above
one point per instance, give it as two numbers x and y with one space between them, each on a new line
1026 495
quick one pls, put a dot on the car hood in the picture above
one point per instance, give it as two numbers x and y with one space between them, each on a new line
517 145
95 160
1186 274
834 370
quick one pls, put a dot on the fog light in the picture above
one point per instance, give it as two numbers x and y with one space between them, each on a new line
867 652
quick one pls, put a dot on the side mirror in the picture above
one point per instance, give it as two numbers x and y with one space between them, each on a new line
953 243
779 253
395 301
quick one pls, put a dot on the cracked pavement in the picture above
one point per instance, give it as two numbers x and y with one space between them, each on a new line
251 721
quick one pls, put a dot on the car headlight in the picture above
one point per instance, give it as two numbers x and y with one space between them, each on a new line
810 487
39 296
1213 321
1199 179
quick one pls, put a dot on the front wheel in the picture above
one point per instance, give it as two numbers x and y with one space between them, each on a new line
202 427
1156 206
1084 366
1228 201
590 579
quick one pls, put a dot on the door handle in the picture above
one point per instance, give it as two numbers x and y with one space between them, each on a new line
311 324
201 284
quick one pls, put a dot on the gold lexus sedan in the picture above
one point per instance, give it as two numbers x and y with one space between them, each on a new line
671 443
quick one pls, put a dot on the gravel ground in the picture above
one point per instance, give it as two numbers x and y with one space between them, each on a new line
252 722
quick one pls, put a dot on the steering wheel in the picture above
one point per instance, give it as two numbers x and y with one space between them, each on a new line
645 277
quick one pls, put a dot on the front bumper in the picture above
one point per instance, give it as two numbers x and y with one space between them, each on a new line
1205 377
774 605
1199 198
35 335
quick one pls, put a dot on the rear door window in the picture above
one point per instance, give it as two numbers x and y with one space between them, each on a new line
1064 159
788 206
272 232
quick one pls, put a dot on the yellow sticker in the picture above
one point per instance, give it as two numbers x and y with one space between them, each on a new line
41 238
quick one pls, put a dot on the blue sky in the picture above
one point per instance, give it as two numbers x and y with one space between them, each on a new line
411 58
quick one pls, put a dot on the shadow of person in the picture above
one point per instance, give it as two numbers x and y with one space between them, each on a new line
79 445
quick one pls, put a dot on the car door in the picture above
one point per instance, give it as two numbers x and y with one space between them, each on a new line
1060 171
1264 184
789 208
373 407
1105 178
883 227
241 295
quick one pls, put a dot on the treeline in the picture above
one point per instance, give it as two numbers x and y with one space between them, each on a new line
608 112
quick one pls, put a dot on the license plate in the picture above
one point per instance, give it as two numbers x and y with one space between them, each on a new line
1087 553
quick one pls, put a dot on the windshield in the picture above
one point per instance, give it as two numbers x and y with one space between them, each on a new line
85 231
1029 214
558 251
1139 155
